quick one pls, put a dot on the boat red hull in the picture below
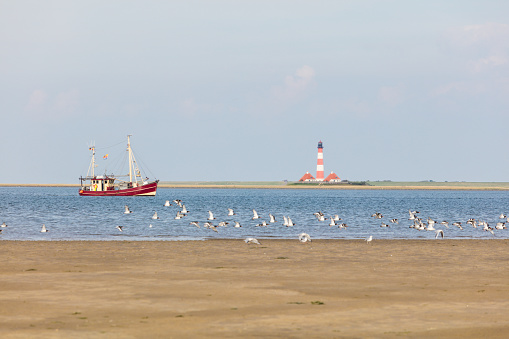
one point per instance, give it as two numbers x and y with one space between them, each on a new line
147 190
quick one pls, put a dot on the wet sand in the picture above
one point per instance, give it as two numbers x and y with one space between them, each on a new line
228 289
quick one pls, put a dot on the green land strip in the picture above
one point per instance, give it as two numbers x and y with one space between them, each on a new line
369 185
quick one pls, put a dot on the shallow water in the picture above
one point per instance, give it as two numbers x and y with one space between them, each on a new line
71 217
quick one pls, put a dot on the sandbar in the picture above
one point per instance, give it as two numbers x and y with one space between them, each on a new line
279 289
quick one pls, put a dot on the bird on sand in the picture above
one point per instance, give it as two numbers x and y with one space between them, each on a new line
304 237
439 233
44 229
251 241
369 239
127 210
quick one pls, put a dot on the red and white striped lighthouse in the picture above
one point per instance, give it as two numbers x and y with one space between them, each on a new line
319 163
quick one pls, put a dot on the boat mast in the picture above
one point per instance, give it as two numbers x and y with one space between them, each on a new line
130 158
92 162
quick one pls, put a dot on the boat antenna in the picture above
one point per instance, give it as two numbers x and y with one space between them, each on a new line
130 158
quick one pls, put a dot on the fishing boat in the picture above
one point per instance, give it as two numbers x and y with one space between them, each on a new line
116 185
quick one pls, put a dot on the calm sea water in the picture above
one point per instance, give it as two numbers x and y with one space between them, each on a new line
71 217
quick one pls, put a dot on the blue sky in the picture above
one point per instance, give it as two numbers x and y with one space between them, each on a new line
244 90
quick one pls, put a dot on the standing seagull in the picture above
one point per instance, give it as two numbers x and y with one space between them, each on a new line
127 210
304 237
369 240
44 229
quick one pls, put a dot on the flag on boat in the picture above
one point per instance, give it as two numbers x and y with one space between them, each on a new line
105 157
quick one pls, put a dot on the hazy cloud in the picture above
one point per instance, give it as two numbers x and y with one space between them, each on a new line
295 85
484 46
392 96
43 107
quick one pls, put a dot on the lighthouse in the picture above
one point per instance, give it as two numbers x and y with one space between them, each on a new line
319 163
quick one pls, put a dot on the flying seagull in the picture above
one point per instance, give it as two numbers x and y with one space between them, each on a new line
44 229
439 233
127 210
120 228
251 241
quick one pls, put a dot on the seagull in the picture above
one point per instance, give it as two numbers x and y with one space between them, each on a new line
343 225
263 224
118 228
458 224
230 212
155 216
44 229
285 223
3 225
179 215
290 222
178 202
237 224
184 209
255 215
272 219
223 223
332 222
412 214
211 216
395 221
439 233
377 215
384 225
195 223
127 210
320 216
167 203
500 226
304 237
431 224
210 226
251 241
445 223
369 240
337 218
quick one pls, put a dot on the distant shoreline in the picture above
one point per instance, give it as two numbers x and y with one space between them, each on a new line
372 185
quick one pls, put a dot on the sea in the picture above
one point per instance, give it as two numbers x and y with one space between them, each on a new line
68 216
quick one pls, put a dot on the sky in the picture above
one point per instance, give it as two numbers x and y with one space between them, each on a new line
244 90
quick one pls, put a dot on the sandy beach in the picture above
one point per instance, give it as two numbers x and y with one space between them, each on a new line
282 288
